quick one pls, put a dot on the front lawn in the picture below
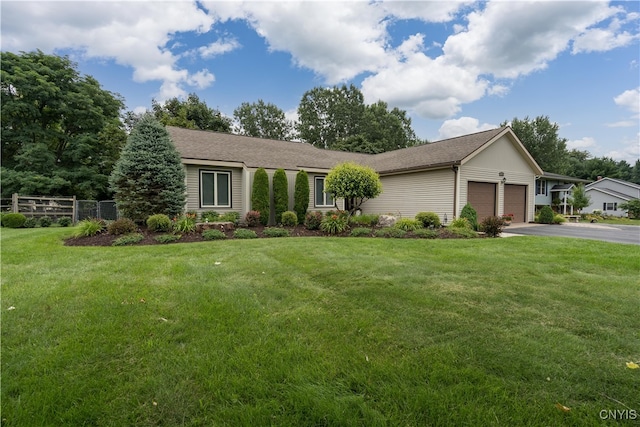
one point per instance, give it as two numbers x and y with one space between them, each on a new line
318 331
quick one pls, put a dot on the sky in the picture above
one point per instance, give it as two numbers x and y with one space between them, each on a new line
456 67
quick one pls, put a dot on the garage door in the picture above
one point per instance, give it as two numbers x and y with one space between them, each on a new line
515 201
482 196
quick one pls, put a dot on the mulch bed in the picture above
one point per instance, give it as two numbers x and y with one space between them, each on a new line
104 239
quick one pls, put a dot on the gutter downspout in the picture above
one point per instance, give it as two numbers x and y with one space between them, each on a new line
454 168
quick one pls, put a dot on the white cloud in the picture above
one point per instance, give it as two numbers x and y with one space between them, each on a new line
336 40
603 39
629 99
219 47
510 39
622 124
428 11
581 144
134 34
462 126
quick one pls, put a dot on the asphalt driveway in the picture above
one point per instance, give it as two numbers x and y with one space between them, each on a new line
629 234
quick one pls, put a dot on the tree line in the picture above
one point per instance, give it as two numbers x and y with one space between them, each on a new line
62 133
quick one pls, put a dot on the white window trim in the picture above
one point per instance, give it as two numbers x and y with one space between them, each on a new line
215 185
324 195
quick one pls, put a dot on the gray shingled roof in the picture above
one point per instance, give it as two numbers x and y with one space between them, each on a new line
273 154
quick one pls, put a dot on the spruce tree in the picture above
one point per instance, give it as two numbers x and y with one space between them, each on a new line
280 194
301 195
149 178
260 195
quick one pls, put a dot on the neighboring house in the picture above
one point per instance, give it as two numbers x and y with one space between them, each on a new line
555 190
607 194
491 170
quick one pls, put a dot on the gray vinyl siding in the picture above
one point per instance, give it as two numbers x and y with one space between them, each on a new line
193 189
407 194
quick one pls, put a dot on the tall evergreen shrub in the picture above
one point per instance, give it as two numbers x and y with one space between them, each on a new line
280 194
471 215
149 178
301 195
260 195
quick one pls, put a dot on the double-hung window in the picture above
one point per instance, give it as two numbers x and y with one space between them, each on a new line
322 199
610 206
541 187
215 189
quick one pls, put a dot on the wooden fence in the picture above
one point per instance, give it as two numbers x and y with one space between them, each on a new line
38 206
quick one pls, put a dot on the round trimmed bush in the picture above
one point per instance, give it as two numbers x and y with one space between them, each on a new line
428 219
546 215
122 226
45 221
13 220
312 220
159 222
289 219
30 223
65 221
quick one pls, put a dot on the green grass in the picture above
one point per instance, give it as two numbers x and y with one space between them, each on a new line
620 221
318 331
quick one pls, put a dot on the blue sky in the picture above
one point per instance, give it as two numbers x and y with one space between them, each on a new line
456 67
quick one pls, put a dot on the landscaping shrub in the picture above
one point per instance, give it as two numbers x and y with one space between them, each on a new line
364 220
243 233
361 232
275 232
390 232
471 215
233 217
168 238
301 195
252 218
546 215
260 195
122 226
466 233
559 219
408 224
334 224
213 235
184 225
289 219
128 239
428 219
159 222
90 227
209 216
280 194
45 221
460 223
65 221
426 233
13 220
312 220
30 223
492 226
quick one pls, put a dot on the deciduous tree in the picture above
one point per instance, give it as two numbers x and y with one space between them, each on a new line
263 120
61 132
541 139
191 113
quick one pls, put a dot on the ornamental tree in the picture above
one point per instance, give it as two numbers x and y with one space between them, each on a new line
260 195
280 194
579 199
301 195
149 178
354 183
